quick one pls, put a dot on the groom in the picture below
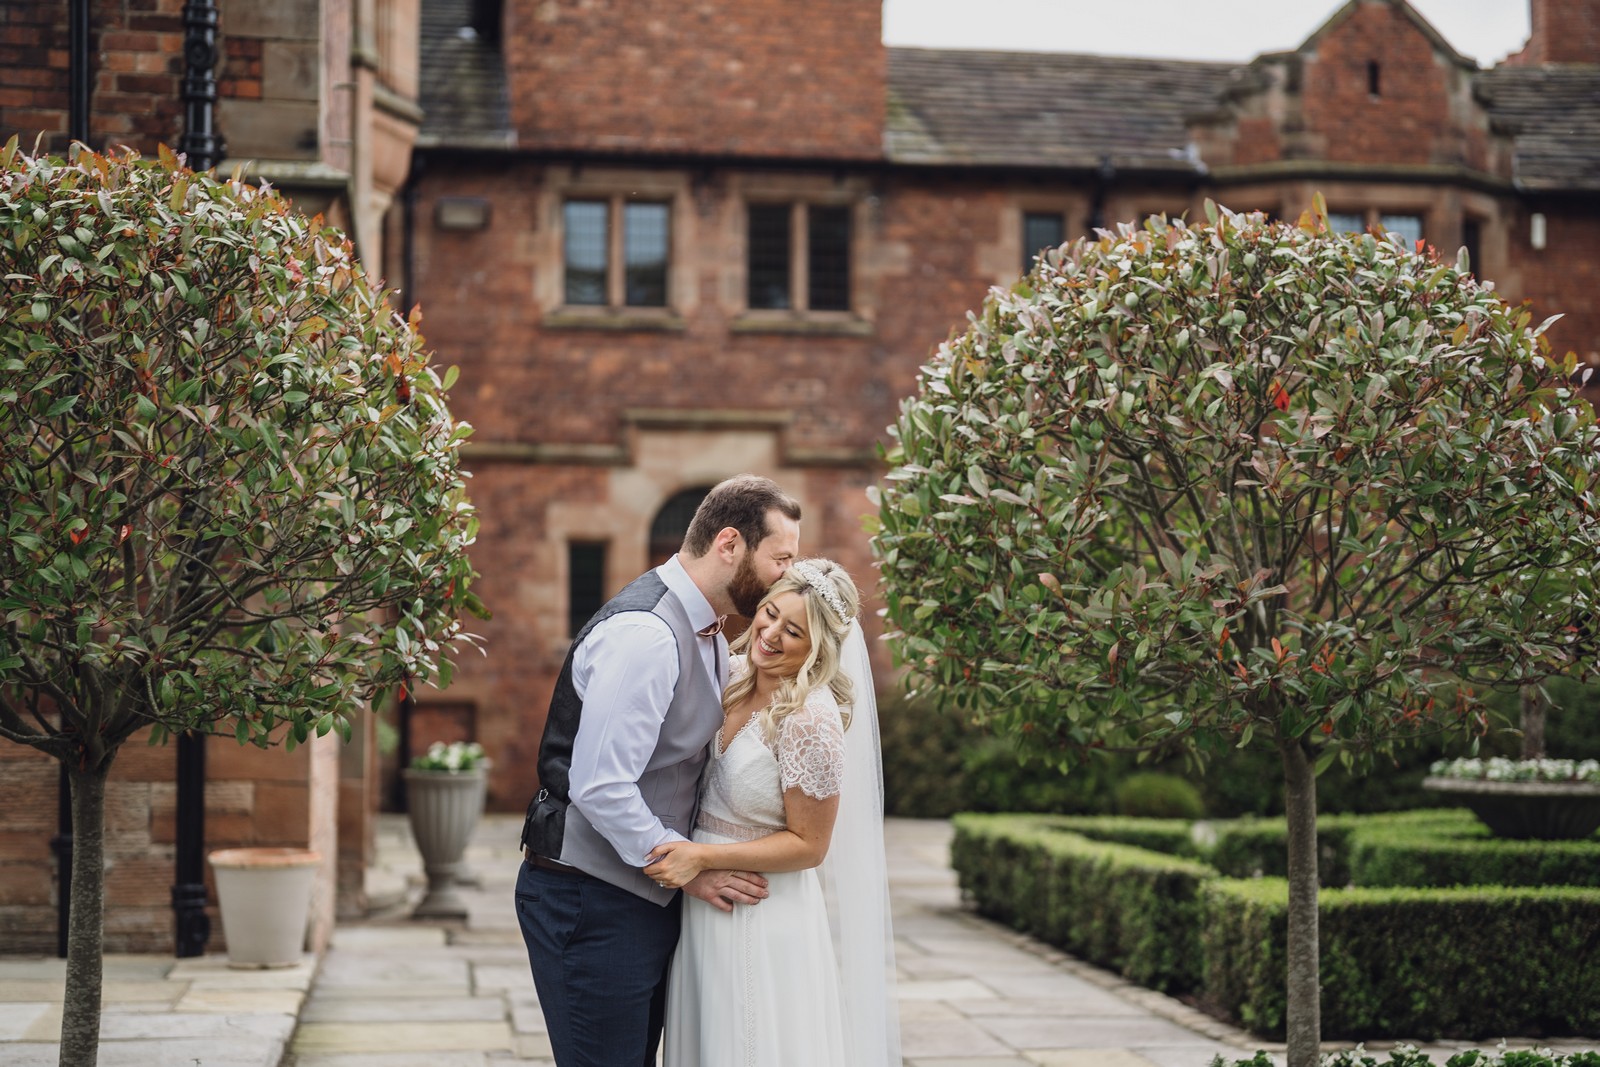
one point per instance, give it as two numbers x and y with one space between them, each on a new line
637 703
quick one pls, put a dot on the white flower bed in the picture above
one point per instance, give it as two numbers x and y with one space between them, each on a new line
1499 769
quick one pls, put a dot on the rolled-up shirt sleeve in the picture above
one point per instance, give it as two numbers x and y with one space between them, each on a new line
625 673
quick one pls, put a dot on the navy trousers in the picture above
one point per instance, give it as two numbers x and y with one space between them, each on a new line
600 957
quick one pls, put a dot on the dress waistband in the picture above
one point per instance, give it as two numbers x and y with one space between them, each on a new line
707 821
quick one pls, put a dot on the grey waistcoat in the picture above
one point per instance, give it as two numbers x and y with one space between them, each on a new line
671 780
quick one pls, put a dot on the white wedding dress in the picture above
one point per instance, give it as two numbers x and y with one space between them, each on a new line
760 987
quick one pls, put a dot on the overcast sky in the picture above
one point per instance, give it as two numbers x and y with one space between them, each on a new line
1486 30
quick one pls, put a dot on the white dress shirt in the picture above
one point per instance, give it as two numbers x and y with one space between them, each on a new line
624 672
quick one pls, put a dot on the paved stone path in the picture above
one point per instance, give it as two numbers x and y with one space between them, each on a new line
396 993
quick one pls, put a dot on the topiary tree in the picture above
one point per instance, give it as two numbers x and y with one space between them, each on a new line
1243 483
230 490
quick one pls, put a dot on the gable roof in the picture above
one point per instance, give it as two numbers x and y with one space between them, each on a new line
1038 109
1435 38
1020 110
1552 115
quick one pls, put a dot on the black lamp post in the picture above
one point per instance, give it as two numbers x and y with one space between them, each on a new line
203 148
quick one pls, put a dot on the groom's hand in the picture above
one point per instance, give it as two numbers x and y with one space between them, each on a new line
723 889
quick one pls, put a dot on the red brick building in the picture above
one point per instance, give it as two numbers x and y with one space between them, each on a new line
668 243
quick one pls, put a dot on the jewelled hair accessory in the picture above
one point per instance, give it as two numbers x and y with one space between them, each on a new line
819 581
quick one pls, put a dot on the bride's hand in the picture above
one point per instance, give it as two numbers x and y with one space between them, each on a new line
674 863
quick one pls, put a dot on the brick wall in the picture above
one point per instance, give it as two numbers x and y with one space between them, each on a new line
756 77
1564 276
253 797
27 866
136 49
269 75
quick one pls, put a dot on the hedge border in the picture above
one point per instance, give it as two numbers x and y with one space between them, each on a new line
1396 960
1470 962
1133 910
1395 855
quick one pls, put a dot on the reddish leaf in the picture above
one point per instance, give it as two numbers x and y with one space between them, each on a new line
1278 395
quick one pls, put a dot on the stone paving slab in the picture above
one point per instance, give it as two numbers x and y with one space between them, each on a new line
336 1009
955 1036
391 992
1044 1032
17 1021
240 1001
1096 1058
167 1053
442 1036
1094 1002
393 1059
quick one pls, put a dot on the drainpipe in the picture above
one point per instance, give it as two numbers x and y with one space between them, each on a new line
1104 175
202 148
80 81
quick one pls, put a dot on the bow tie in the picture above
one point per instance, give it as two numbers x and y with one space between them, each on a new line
714 629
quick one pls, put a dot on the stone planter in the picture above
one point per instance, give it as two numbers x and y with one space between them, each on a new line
443 808
1548 811
265 898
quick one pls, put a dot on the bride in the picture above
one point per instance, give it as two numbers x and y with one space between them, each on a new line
805 978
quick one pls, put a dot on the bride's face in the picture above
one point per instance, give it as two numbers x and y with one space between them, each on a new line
781 640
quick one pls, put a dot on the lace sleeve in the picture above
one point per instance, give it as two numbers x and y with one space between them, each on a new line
811 750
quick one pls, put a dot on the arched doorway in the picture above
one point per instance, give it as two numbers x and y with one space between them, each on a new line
672 522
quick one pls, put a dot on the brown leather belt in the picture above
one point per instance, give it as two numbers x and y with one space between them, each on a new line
545 863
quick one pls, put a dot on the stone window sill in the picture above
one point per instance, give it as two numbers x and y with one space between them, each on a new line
648 320
816 323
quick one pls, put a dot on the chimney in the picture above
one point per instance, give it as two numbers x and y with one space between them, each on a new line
1564 31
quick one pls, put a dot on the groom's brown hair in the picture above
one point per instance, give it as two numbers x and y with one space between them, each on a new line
742 502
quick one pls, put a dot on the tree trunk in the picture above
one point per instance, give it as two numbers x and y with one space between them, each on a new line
1533 709
80 1011
1304 988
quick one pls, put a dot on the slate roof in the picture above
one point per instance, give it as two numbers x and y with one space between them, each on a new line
955 107
1037 109
465 102
1552 115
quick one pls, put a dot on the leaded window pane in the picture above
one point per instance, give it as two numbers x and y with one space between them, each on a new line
1346 222
828 257
1040 230
585 240
645 243
769 256
1407 227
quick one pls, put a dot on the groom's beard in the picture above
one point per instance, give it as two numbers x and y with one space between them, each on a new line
746 589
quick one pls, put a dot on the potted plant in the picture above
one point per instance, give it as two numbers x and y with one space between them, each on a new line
1548 799
444 799
264 895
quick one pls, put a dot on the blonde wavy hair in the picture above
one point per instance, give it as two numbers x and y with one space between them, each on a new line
827 629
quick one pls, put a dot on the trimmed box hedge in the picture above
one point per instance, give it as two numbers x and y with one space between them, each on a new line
1130 909
1403 962
1248 848
1396 854
1172 836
